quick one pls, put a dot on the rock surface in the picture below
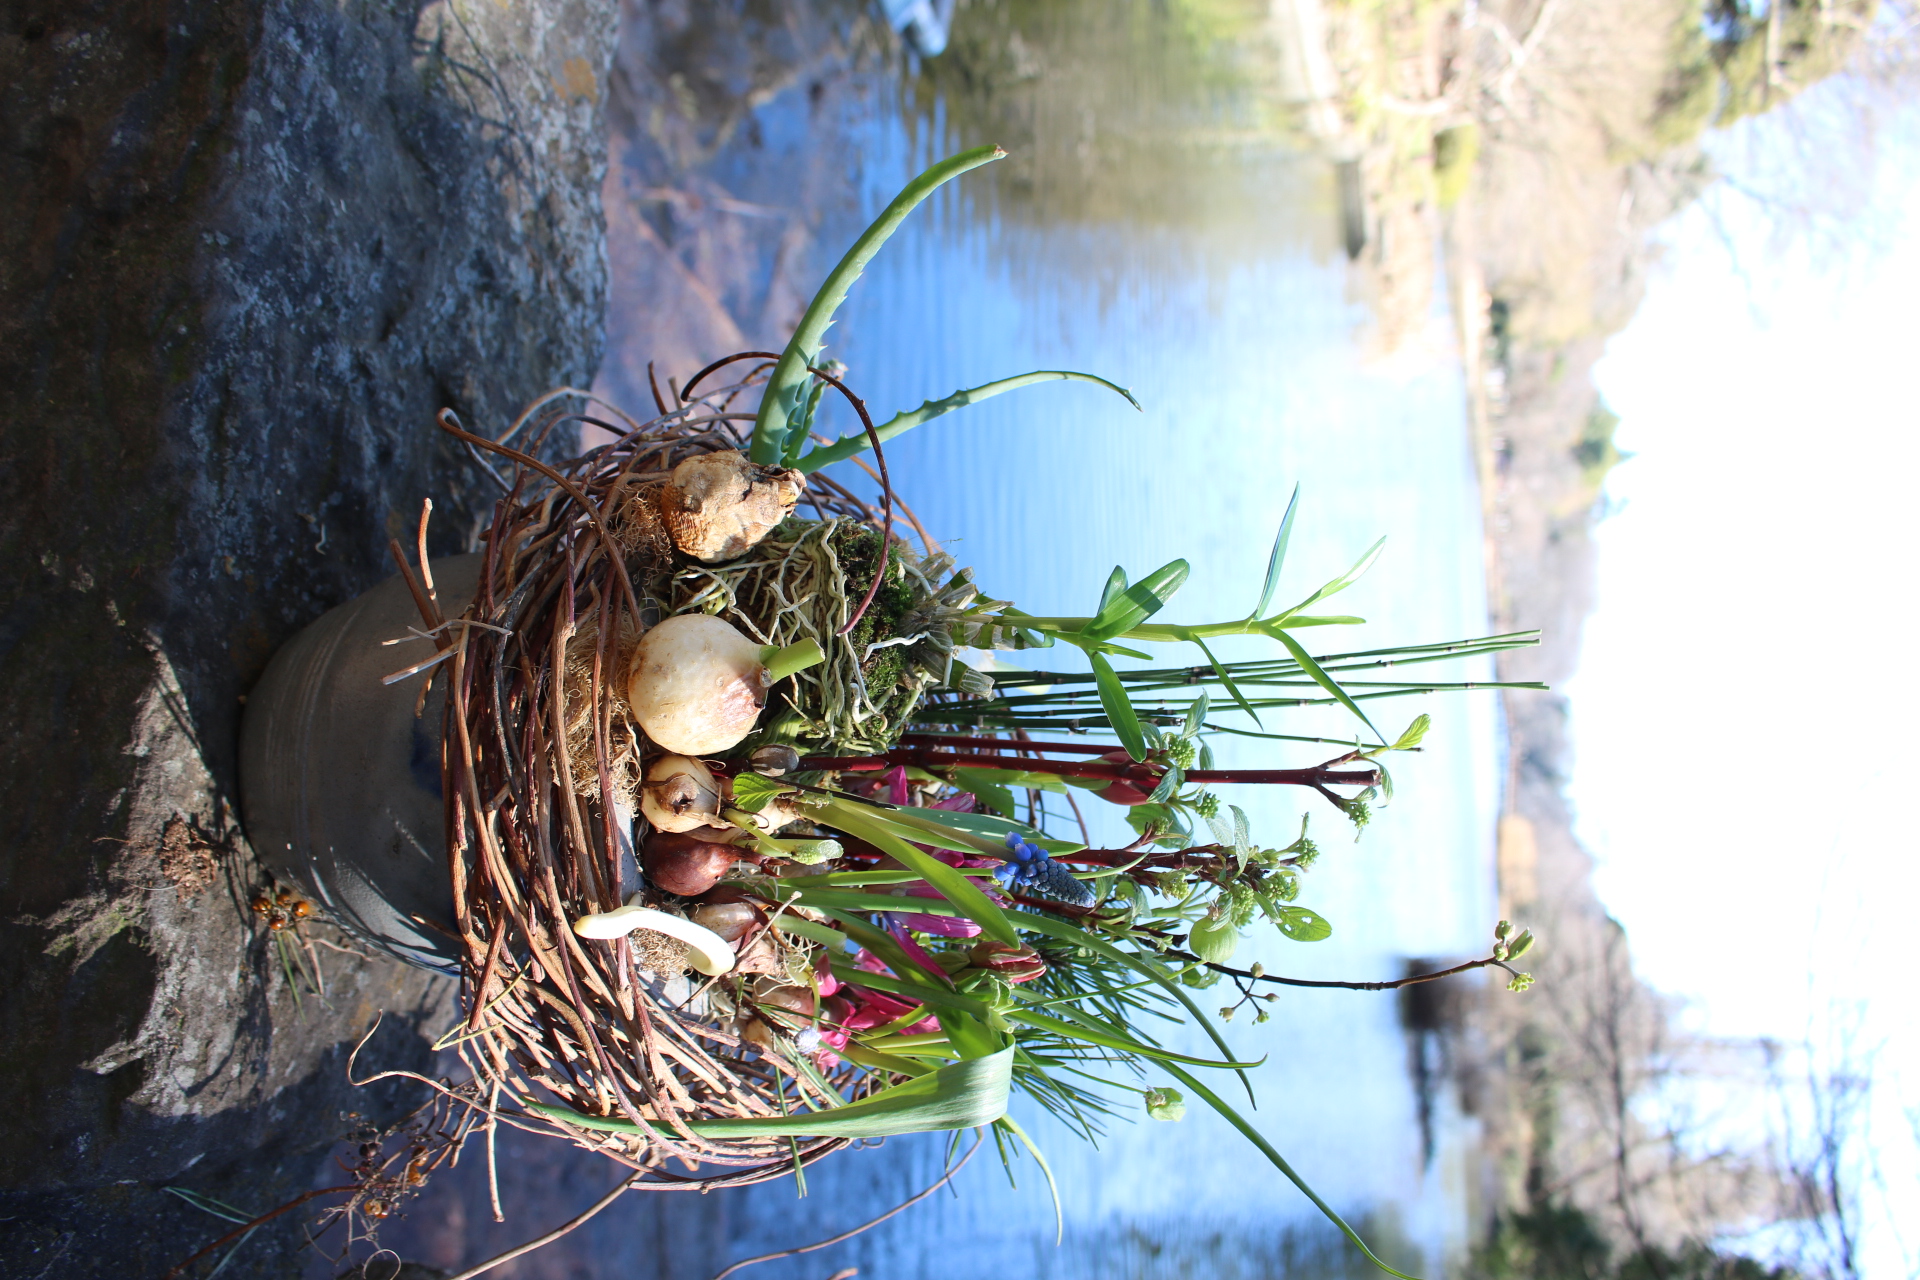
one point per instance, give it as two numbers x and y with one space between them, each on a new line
249 249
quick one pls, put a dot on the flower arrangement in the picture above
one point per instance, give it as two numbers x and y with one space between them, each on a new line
740 869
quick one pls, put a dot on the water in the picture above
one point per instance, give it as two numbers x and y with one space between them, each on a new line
1226 310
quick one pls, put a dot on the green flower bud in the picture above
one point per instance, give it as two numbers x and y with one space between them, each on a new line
1213 940
1226 1013
1258 970
1520 982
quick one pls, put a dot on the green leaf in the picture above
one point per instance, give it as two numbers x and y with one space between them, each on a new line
1302 925
1242 835
1340 583
1113 700
780 403
961 1095
970 1036
1323 620
1252 1135
1278 556
849 445
752 791
1414 733
994 795
1325 681
1196 716
1116 583
991 829
1137 603
953 886
1227 680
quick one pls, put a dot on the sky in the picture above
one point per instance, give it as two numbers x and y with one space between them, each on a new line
1746 732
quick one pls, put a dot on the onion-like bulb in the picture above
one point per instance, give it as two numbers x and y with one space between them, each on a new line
696 684
680 793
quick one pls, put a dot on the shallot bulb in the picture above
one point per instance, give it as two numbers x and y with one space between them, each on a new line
689 863
697 685
680 794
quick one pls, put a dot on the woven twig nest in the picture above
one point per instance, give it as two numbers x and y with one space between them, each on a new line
543 761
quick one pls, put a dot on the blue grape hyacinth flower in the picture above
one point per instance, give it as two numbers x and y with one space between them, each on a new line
1029 868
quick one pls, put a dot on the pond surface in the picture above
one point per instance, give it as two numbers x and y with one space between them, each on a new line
1205 276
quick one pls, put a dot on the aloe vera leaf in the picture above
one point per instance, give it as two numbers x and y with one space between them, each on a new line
780 405
847 446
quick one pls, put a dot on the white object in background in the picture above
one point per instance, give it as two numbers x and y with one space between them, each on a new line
922 23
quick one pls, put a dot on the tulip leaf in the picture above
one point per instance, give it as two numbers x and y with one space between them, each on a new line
953 886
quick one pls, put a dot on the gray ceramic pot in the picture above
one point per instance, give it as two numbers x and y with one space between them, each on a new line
340 783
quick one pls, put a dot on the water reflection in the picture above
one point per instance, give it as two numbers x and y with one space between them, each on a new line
1160 223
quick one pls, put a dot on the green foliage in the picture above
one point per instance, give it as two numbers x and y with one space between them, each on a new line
1552 1241
1594 450
1455 152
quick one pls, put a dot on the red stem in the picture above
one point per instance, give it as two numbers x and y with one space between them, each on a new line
1113 771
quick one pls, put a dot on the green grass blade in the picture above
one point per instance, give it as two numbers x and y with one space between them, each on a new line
1113 700
1075 1029
1252 1134
1061 931
1059 1220
780 405
1278 556
849 445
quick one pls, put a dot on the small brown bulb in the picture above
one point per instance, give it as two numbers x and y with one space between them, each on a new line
775 760
691 862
